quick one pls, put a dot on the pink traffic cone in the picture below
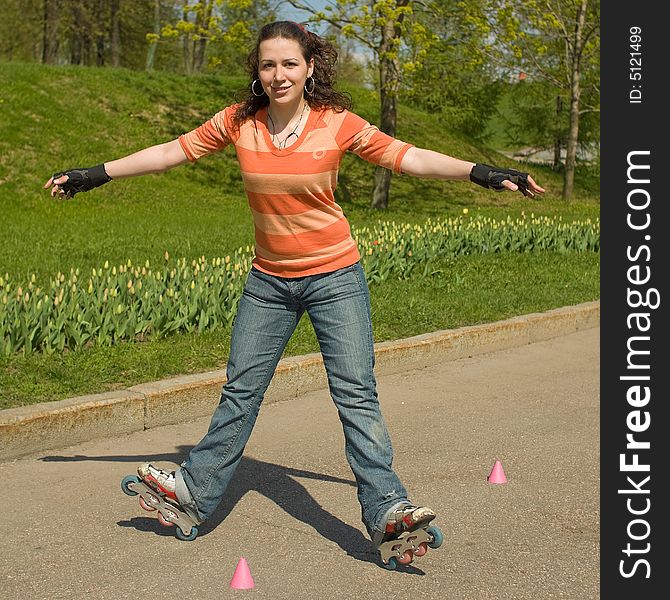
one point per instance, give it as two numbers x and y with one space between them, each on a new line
242 579
497 474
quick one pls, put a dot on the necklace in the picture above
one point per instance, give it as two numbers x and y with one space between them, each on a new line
281 145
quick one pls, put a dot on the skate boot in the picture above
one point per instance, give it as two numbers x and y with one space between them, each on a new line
408 534
156 489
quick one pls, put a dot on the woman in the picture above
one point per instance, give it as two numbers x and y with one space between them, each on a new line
290 134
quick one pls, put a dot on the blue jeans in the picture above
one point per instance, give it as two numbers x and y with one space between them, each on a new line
338 305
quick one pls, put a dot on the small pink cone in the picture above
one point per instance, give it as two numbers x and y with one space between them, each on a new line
497 474
242 579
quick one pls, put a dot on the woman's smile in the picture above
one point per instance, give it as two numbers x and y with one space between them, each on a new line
280 91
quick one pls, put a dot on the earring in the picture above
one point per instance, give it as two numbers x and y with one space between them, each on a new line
253 90
310 91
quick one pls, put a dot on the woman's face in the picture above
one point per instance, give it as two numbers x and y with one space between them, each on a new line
283 70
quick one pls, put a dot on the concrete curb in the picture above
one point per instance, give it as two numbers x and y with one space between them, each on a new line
51 425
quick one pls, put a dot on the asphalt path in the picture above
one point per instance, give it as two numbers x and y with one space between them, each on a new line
69 532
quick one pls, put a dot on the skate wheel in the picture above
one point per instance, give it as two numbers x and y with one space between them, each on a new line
438 536
391 564
186 538
421 550
406 558
163 521
146 506
126 481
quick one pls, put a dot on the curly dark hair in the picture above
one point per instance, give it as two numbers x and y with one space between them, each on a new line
312 46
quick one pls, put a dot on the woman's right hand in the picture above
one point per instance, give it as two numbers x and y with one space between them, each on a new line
57 180
68 183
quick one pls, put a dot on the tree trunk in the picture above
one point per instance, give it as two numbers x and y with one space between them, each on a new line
202 29
389 81
575 92
115 36
50 32
186 47
151 51
75 40
556 164
389 118
558 142
80 35
100 34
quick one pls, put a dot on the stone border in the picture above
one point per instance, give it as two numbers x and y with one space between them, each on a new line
51 425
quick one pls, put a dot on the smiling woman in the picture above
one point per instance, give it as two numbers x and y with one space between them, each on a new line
290 133
291 67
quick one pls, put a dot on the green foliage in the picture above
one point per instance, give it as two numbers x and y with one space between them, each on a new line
453 77
19 29
407 251
537 39
471 289
217 33
436 50
130 303
124 303
392 34
191 37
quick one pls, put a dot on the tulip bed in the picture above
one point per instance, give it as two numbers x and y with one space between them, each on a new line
128 302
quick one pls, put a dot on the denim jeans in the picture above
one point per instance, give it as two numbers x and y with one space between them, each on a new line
338 305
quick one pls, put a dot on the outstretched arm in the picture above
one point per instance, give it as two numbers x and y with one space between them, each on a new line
155 159
428 164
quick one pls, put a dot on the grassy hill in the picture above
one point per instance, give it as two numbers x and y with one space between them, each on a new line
54 118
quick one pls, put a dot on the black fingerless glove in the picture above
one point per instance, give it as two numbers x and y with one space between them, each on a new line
83 180
492 178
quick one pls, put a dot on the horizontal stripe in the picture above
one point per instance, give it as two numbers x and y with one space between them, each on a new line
311 267
294 224
320 140
292 204
317 254
275 183
306 242
300 163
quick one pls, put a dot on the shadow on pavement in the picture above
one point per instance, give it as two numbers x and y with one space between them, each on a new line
275 482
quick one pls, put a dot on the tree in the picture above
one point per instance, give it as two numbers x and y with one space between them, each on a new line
115 33
85 32
154 37
452 77
382 27
22 30
216 32
556 42
402 36
196 27
353 66
240 21
50 41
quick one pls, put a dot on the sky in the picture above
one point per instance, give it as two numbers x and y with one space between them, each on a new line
288 12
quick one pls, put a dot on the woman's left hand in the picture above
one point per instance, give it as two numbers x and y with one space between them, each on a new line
530 191
500 179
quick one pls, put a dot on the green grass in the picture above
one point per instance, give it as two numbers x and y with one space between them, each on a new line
52 118
467 291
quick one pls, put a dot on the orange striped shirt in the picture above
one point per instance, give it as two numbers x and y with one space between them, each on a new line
300 229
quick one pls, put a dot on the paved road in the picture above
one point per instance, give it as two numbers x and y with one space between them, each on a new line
69 532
